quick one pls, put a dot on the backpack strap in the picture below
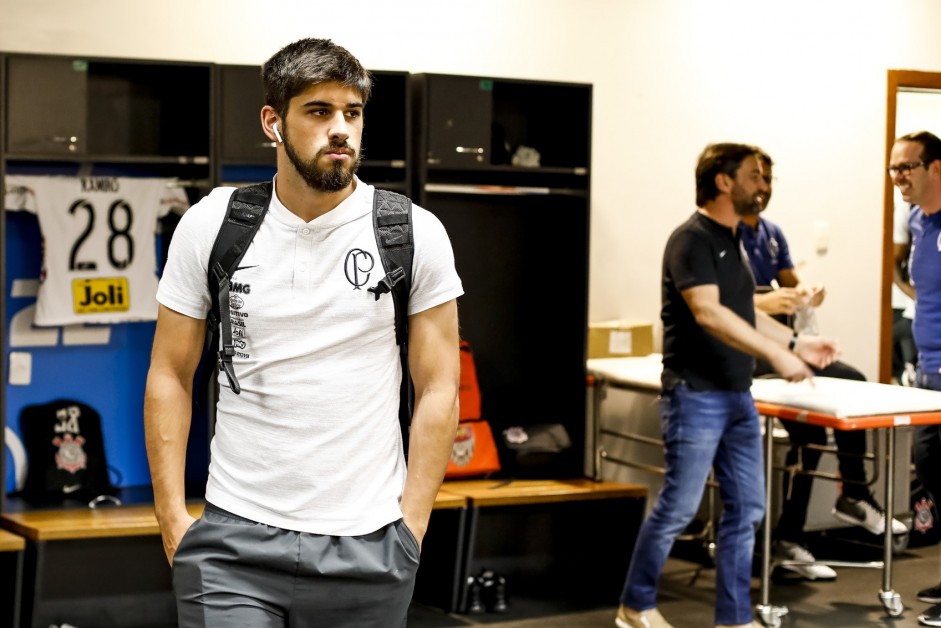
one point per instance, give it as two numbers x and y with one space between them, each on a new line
244 214
392 223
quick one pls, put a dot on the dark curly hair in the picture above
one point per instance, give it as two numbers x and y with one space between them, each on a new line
724 158
308 62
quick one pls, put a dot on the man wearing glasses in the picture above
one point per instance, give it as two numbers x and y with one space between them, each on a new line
781 294
915 169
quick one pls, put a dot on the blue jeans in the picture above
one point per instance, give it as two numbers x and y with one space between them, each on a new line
702 430
926 449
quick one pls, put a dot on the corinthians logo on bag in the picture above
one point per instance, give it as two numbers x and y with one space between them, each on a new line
463 449
924 519
70 457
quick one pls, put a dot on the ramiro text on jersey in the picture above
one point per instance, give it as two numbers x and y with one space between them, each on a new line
100 184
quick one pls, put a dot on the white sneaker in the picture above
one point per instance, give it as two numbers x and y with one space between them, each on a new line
908 375
866 513
786 552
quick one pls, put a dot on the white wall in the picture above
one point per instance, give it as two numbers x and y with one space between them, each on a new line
804 79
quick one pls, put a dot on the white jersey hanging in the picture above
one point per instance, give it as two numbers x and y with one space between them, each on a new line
99 254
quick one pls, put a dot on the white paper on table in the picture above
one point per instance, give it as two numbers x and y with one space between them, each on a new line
841 398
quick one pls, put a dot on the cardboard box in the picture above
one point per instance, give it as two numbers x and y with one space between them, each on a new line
620 339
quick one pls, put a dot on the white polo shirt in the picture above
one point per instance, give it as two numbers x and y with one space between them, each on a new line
313 441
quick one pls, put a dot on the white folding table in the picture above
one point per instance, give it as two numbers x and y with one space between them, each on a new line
836 403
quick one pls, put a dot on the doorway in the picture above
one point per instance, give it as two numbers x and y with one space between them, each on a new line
913 104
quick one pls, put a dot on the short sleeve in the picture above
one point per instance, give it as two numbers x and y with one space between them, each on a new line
689 260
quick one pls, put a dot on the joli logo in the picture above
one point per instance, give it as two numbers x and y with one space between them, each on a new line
91 296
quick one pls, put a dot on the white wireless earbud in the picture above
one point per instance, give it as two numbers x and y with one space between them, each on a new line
274 129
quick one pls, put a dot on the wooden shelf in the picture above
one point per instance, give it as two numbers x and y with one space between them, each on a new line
10 542
518 492
104 522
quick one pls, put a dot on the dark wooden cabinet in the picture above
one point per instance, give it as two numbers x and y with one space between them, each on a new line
107 110
47 104
459 114
241 97
482 123
92 117
246 154
387 133
520 237
519 228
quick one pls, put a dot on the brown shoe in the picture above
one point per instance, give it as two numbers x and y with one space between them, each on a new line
650 618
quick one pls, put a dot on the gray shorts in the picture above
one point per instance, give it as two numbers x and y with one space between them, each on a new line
231 572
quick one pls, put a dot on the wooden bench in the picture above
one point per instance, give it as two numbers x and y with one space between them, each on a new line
116 521
105 522
482 493
509 497
462 501
10 542
39 527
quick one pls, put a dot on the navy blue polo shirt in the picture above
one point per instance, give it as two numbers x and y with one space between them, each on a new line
925 269
767 250
700 252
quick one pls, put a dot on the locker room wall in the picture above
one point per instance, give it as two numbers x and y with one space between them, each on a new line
104 366
803 79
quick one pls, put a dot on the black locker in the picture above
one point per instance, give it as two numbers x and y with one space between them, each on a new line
459 113
47 97
520 237
242 96
103 110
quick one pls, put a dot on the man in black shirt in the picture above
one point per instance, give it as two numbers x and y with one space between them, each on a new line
712 333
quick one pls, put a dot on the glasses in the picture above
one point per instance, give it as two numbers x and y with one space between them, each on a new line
903 168
758 176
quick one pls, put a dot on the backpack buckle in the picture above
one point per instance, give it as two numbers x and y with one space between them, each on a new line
225 365
385 284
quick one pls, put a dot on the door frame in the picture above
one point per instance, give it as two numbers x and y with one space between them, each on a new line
896 79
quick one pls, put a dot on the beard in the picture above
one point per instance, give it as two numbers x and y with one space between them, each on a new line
330 178
747 205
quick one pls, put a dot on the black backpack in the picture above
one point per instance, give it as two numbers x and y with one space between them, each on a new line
392 223
66 454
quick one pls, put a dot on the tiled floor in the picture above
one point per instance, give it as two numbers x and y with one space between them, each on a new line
851 601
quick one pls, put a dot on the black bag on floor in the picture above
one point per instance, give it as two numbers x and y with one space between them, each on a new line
65 452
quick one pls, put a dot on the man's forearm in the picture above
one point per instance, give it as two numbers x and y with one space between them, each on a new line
167 417
761 341
767 326
430 443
